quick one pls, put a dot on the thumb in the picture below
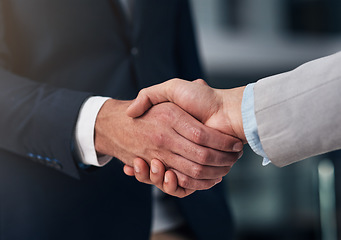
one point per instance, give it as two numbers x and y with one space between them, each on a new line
139 106
148 97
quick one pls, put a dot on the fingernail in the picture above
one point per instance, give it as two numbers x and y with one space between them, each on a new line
166 178
237 147
154 168
137 169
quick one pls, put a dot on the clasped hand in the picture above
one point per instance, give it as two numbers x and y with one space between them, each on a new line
207 133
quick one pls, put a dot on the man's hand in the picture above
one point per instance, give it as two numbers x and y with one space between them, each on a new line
198 155
216 108
219 109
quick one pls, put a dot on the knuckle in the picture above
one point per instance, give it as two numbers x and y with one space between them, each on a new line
142 92
173 81
198 171
203 156
159 140
167 113
199 136
184 182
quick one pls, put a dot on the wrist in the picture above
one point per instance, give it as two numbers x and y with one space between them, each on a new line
111 115
232 104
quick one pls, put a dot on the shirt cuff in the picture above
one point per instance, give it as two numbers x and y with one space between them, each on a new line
250 123
84 132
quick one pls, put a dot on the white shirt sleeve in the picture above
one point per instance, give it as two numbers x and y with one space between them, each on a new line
250 123
84 132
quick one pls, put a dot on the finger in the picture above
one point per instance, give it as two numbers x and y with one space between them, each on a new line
157 173
198 133
198 171
171 187
147 98
153 95
166 182
141 170
140 105
193 152
187 182
128 170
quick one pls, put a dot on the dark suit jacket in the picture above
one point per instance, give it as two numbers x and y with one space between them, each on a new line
55 54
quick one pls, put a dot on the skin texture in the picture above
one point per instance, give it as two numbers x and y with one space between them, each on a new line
218 109
198 155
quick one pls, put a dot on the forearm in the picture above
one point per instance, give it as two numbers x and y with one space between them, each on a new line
300 106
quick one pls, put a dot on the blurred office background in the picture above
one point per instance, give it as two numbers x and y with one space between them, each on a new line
242 41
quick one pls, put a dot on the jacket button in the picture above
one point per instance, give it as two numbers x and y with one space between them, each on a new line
134 51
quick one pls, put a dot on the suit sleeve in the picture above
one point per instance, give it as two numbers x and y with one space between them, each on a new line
37 120
298 112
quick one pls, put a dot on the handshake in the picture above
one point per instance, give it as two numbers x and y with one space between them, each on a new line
205 146
185 136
